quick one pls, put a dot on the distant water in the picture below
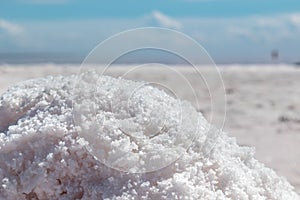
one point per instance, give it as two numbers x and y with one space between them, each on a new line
35 58
69 58
65 58
144 56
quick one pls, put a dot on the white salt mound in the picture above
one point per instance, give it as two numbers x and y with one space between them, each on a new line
43 155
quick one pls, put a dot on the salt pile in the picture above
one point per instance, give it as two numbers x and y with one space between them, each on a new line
53 148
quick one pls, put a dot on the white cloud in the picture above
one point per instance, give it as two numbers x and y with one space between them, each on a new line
270 28
166 21
294 19
10 28
267 29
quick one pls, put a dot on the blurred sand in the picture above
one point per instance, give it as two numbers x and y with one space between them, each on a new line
263 103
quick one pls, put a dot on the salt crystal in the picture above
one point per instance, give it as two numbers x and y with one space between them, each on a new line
65 162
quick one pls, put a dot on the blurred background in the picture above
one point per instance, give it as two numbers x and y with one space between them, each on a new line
232 31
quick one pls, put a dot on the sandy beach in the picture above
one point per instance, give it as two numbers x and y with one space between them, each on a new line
262 107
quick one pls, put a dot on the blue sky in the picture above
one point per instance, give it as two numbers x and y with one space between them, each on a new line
79 9
238 31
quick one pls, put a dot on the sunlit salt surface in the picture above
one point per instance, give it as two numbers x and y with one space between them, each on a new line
133 126
43 155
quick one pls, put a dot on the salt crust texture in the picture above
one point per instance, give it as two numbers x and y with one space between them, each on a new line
42 155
